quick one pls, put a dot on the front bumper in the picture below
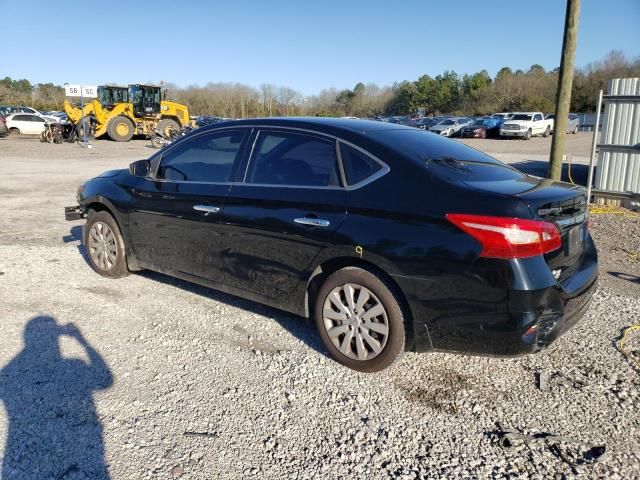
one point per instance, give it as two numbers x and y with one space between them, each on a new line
470 134
513 133
73 213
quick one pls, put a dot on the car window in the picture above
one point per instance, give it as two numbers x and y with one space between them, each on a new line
358 166
204 158
537 118
35 118
287 158
20 118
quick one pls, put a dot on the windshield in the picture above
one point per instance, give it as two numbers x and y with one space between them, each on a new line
447 122
479 122
112 95
521 116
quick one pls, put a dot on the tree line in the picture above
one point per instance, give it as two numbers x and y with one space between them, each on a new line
447 93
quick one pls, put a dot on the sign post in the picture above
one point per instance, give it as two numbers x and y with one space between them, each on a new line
81 91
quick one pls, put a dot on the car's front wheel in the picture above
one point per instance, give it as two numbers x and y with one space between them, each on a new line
360 320
105 245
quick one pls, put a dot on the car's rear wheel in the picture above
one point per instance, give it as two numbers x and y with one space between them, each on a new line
105 246
546 132
360 320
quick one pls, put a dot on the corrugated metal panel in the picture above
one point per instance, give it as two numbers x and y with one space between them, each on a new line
620 171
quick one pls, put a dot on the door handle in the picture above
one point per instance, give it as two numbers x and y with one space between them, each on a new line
207 209
312 222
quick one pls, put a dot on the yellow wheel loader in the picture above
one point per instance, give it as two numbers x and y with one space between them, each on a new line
139 112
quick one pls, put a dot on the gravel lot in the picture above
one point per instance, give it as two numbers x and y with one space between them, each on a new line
164 379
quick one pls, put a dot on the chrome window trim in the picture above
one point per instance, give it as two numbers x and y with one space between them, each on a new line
385 168
371 178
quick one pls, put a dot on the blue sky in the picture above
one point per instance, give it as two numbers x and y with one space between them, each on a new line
307 45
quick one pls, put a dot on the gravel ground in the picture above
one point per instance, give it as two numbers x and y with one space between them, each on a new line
164 379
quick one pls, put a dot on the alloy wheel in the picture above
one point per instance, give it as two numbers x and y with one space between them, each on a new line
102 246
356 321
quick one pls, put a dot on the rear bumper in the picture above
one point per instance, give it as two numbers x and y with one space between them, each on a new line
479 319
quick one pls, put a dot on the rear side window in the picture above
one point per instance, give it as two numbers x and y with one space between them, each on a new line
21 118
288 158
357 165
205 158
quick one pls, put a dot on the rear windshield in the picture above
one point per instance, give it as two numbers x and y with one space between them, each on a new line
446 158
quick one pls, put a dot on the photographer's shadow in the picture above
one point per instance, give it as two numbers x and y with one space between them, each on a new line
54 431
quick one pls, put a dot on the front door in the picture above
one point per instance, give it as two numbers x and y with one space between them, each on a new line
174 219
276 221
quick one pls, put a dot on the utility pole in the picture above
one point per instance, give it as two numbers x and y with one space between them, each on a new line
565 80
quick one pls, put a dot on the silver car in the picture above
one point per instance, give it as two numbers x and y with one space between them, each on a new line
573 122
450 126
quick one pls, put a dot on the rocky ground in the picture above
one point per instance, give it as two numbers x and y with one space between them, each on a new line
164 379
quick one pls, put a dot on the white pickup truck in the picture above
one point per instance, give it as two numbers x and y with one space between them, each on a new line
526 125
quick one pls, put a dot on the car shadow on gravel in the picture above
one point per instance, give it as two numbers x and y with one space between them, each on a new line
299 327
626 276
579 172
54 430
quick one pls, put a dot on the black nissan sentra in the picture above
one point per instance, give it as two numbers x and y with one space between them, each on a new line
389 237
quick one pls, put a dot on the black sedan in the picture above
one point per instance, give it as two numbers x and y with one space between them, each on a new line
486 127
389 237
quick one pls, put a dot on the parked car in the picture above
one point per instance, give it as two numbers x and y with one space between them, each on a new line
4 130
268 210
526 125
503 115
573 123
25 110
426 122
400 120
27 123
486 127
450 126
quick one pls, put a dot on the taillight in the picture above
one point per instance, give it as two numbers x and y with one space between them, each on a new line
504 237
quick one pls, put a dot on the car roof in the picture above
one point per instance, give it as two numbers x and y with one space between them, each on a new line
328 125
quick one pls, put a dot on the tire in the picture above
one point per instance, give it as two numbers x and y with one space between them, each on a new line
547 132
14 131
166 125
120 129
380 298
105 245
528 135
575 130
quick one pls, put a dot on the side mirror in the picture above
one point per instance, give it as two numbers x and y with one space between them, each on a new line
141 168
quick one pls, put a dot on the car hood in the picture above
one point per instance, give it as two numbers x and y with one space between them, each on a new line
517 122
439 128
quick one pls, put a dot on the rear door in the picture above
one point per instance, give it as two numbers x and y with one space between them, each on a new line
174 219
282 211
